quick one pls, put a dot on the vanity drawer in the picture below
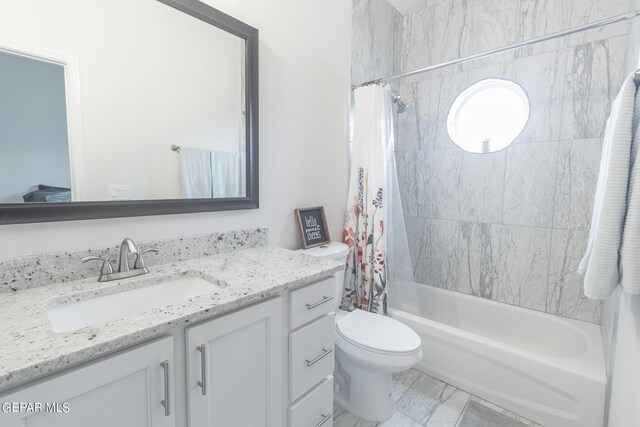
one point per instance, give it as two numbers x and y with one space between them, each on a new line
311 356
315 409
311 302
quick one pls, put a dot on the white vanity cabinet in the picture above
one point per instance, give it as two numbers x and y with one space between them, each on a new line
234 368
125 389
311 354
264 365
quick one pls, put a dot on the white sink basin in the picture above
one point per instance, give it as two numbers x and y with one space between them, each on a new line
70 316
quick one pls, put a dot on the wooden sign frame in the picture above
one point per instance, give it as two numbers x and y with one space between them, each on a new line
324 229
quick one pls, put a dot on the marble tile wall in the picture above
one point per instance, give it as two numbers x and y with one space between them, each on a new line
512 225
376 26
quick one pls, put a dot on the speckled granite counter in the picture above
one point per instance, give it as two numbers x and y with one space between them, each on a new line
29 348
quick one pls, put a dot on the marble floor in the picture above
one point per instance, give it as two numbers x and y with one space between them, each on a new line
423 401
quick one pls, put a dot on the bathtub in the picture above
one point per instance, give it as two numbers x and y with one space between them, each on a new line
547 368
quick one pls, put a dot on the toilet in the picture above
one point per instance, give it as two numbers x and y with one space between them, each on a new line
369 349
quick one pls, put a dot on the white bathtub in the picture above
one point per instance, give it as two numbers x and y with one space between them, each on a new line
547 368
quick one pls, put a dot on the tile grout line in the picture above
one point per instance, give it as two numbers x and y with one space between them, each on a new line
405 392
480 400
463 410
510 414
421 374
553 214
508 224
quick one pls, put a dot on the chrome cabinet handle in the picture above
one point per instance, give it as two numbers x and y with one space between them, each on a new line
167 406
314 361
203 366
325 418
322 301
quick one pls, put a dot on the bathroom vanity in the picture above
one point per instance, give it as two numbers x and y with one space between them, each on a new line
253 347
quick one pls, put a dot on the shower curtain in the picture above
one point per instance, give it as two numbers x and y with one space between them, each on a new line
373 215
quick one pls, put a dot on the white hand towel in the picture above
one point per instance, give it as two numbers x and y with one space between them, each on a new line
630 248
196 173
600 262
225 175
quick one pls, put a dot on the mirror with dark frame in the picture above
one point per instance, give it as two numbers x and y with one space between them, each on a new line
125 108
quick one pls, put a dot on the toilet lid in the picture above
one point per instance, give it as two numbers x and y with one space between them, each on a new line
377 333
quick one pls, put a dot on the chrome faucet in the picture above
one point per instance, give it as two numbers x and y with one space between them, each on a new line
127 247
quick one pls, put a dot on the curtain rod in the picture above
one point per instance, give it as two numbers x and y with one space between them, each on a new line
586 27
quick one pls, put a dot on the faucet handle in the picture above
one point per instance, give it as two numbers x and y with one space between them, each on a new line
107 267
140 261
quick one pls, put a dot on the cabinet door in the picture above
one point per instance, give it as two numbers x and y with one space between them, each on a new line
234 368
124 390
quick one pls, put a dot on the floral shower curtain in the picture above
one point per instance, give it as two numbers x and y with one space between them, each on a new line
364 229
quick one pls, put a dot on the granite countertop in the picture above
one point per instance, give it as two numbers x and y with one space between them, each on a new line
29 348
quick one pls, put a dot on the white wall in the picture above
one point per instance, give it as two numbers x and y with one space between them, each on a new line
150 76
304 89
33 127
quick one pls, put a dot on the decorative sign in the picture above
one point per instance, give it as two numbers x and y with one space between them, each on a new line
313 226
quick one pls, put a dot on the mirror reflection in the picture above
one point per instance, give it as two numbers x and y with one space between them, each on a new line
33 131
118 100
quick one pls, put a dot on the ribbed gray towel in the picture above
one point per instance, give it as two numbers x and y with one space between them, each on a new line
630 248
601 263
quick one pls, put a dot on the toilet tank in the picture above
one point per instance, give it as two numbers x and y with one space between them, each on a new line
337 251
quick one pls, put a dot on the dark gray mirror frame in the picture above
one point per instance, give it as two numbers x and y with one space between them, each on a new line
18 213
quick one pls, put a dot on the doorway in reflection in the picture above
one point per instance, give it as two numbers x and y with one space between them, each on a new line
34 148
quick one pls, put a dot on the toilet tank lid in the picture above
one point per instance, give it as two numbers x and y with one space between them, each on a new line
332 250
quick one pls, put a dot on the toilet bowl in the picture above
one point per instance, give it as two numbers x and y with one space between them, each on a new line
369 349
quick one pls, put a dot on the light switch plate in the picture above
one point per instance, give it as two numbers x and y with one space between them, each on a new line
120 192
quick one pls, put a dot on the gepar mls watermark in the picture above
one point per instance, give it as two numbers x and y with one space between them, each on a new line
34 407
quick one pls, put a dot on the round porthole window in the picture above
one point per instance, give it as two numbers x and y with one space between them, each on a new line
488 116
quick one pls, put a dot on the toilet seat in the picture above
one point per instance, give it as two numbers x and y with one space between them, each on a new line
378 334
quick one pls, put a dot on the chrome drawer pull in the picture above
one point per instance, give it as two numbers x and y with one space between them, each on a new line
314 361
322 301
165 402
325 418
203 363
